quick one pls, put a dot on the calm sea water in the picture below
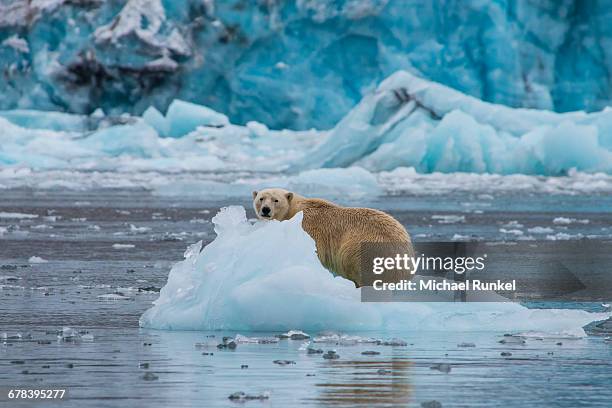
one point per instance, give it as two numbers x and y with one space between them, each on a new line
92 285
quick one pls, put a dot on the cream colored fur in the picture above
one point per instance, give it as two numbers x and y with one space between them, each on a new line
338 232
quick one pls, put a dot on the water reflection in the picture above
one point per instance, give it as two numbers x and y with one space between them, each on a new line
366 382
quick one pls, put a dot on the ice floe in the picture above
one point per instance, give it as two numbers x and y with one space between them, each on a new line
242 281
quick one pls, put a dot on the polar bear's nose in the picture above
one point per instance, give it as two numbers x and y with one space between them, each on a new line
265 210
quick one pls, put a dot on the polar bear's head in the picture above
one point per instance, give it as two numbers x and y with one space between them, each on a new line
272 203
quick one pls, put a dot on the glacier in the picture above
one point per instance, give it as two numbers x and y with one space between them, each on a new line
407 122
299 64
234 284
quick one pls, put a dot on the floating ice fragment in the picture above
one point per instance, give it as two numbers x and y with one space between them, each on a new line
567 221
540 230
68 334
123 246
37 260
294 335
240 281
448 219
139 230
113 296
17 216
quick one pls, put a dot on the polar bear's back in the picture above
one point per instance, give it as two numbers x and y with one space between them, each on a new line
341 232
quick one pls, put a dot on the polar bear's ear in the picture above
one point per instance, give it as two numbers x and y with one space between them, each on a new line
255 194
289 196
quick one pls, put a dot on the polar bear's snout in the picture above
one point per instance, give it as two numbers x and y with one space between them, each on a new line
265 211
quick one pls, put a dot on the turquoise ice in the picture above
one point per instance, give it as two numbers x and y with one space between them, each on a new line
299 64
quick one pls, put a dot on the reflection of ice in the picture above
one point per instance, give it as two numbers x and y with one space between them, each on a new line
266 276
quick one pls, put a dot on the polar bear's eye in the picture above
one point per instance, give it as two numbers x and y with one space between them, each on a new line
276 201
261 199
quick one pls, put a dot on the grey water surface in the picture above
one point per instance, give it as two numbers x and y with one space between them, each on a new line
102 256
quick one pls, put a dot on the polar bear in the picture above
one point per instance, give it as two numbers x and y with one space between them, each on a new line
339 232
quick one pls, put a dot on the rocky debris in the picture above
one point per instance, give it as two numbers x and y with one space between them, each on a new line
208 354
241 396
17 362
505 354
228 343
382 371
243 366
311 350
442 367
370 353
143 365
559 344
509 339
431 404
283 362
149 376
466 345
331 355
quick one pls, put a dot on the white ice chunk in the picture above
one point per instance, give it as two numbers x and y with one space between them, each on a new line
243 281
37 260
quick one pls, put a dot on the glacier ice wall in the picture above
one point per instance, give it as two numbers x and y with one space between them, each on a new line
234 284
407 122
298 64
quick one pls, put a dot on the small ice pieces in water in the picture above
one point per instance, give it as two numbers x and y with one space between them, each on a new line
448 219
394 342
311 350
567 221
143 365
241 396
431 404
139 230
370 353
69 335
294 335
442 367
123 246
37 260
344 339
382 371
283 362
113 296
240 339
505 354
331 355
466 345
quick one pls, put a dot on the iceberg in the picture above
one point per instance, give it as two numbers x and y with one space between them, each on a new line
407 122
244 281
298 64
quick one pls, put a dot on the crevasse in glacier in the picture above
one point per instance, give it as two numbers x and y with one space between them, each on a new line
406 122
298 64
235 284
